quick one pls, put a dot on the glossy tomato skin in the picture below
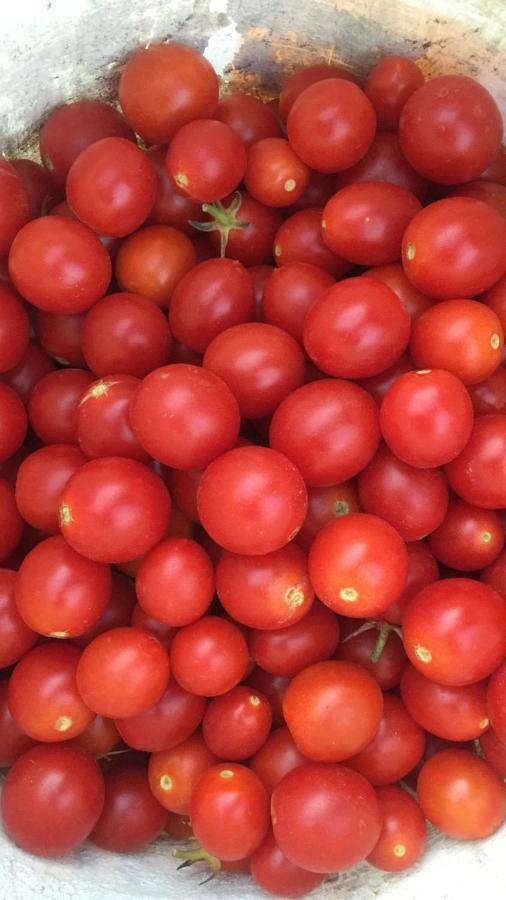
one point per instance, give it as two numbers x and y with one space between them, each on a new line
286 651
440 415
174 774
494 194
250 118
469 538
118 531
402 840
15 204
103 419
358 565
389 85
209 657
11 523
333 710
278 756
53 404
14 329
324 504
299 239
43 696
496 702
175 582
274 173
117 612
13 740
328 428
252 500
395 750
489 397
455 248
166 724
494 751
59 265
274 872
40 480
13 422
385 162
100 737
251 245
206 160
461 795
153 260
52 798
200 415
454 631
422 570
414 501
325 818
495 574
478 474
360 649
17 637
331 125
237 724
454 713
34 365
131 817
230 811
395 278
304 77
59 593
164 86
289 292
171 207
450 129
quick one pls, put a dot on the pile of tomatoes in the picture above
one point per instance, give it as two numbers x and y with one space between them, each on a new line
253 470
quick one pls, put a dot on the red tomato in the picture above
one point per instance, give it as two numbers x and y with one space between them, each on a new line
237 724
358 565
13 422
331 125
469 538
59 265
100 737
495 574
52 798
103 419
490 395
170 206
494 194
153 261
34 365
422 570
251 119
178 828
131 817
164 86
140 619
61 336
496 695
299 239
324 504
174 774
252 500
184 487
230 811
206 160
288 650
478 474
333 710
390 83
455 713
402 840
356 328
278 756
11 523
289 292
17 637
455 248
274 174
440 415
494 751
396 748
385 663
259 276
395 278
244 230
114 509
15 205
274 872
454 631
328 428
200 416
274 687
118 611
303 78
165 724
385 162
325 818
175 582
209 657
496 171
13 741
461 795
53 405
450 129
14 328
213 296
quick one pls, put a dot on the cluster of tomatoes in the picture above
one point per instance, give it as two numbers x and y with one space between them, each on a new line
252 504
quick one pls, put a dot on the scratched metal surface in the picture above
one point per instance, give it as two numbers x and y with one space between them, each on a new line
57 50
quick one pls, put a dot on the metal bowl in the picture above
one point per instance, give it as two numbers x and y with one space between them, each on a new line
52 51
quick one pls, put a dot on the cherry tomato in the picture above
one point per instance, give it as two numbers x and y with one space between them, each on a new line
455 713
358 565
15 205
200 416
396 748
118 611
469 538
455 248
324 504
164 86
274 872
248 117
333 710
259 276
478 474
13 741
494 752
490 395
320 188
303 78
237 724
53 405
402 840
13 422
454 631
389 85
52 798
209 657
59 265
289 292
495 574
61 336
331 125
171 207
114 509
440 415
184 487
260 363
164 633
175 582
35 364
278 756
385 663
43 696
461 795
153 261
178 828
252 500
103 419
299 239
494 194
244 230
422 570
17 637
274 174
100 737
212 297
274 687
165 724
496 171
325 818
174 774
384 162
328 428
496 694
11 523
288 650
206 160
450 129
14 328
59 593
395 278
38 185
131 817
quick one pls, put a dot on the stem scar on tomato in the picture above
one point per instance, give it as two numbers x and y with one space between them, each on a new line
223 219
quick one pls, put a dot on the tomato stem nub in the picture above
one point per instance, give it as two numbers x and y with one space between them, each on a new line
224 219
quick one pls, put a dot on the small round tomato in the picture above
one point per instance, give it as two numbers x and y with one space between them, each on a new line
99 738
495 574
61 336
118 611
328 428
395 278
53 405
496 704
43 695
304 77
153 261
402 840
331 125
325 504
163 86
289 292
230 811
333 710
461 795
274 687
237 724
478 474
396 748
14 203
275 874
59 265
175 582
384 162
489 397
250 118
274 174
454 631
200 416
17 637
450 129
35 364
13 741
422 570
52 798
494 751
14 328
358 565
286 651
377 649
206 160
103 419
132 816
174 774
469 538
389 85
325 818
365 222
165 724
252 500
114 509
440 415
494 194
278 756
170 206
13 422
454 713
455 248
11 523
209 657
299 239
243 230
